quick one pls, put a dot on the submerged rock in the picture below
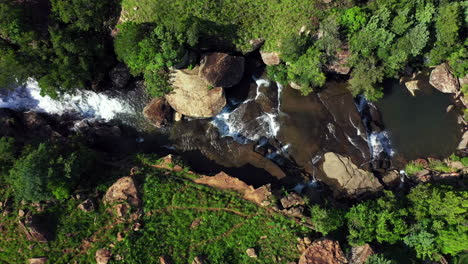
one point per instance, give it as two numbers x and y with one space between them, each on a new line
192 97
158 112
443 80
413 86
323 251
221 69
345 178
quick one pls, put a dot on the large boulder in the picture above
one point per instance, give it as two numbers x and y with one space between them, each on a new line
123 190
193 97
443 80
158 112
345 178
221 69
270 58
323 251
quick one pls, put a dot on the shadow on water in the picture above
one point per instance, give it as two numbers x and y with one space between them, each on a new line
419 126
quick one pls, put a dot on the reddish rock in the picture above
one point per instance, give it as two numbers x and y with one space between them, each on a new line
422 162
221 69
323 251
270 58
443 80
158 112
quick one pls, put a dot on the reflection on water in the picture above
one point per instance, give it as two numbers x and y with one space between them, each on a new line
419 126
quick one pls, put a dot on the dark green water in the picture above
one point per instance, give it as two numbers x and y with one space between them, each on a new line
419 126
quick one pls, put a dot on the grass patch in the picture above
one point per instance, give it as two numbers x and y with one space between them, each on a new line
184 220
413 167
236 21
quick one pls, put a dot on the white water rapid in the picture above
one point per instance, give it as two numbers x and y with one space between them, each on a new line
230 122
86 104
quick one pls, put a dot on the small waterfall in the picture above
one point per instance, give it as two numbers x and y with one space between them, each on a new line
379 142
230 122
86 104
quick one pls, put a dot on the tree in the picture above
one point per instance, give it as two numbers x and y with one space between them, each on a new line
7 156
440 214
326 220
49 171
382 220
353 19
447 32
307 71
84 14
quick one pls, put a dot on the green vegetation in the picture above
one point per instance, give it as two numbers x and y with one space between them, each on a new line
69 49
378 259
413 167
48 171
326 220
431 220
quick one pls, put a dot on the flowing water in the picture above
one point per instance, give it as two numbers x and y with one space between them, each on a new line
267 133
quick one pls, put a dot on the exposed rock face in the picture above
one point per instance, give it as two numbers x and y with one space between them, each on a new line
124 190
291 200
226 182
464 141
270 58
323 251
191 96
359 255
221 69
103 256
120 76
339 65
158 112
36 228
412 86
346 178
443 80
41 260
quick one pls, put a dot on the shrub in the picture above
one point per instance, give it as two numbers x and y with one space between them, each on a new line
49 171
378 259
7 156
413 167
326 220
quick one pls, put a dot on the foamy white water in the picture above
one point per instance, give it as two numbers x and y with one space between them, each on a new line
86 104
228 122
